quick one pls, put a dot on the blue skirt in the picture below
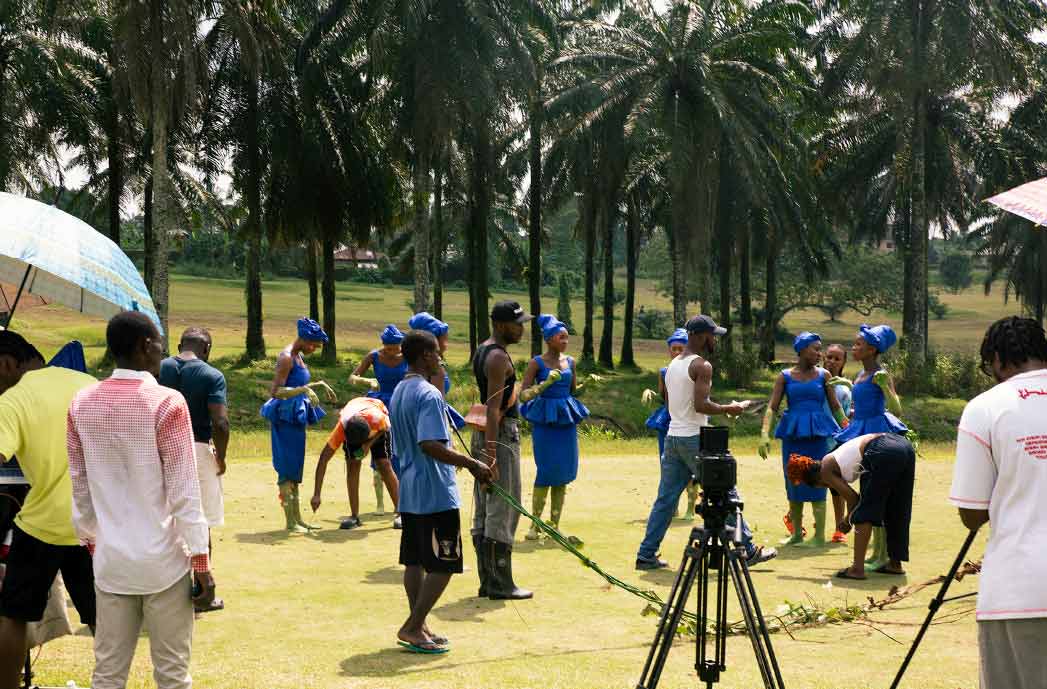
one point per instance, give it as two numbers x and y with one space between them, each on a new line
288 440
555 454
815 448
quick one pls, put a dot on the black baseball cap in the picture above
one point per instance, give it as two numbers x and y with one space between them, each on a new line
509 312
704 324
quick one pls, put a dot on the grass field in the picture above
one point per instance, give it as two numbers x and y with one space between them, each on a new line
322 611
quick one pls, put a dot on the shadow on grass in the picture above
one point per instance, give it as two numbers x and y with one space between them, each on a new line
395 661
392 575
471 609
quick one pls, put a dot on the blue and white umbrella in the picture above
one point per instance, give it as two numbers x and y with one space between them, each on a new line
49 253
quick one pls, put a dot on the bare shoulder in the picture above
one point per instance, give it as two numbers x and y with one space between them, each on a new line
700 367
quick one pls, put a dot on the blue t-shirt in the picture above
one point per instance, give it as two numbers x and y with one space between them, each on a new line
200 384
426 485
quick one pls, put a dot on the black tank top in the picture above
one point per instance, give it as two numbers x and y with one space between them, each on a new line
480 372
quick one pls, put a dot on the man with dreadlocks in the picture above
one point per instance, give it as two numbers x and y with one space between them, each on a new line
1001 477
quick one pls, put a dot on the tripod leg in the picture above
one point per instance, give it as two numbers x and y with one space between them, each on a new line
753 616
672 611
934 605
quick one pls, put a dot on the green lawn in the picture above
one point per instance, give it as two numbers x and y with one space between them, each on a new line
322 611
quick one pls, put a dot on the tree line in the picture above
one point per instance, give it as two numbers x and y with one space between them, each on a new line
763 139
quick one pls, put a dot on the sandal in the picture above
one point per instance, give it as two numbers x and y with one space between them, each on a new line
427 648
787 520
846 574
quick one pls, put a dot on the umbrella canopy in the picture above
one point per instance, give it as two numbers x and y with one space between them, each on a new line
1029 201
53 255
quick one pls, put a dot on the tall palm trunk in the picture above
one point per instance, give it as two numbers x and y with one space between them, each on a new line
116 170
594 217
480 213
147 232
330 353
632 233
770 309
534 230
422 241
914 329
255 341
5 150
606 357
745 290
163 207
724 233
679 224
312 274
703 218
440 250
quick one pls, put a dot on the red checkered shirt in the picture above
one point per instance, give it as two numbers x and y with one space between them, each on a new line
136 494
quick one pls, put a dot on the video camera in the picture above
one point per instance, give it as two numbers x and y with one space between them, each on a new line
717 474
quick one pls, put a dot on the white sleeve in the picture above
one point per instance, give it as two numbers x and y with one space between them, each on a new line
974 474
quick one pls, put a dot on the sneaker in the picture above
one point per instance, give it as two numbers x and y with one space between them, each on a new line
761 554
839 537
398 522
350 523
643 564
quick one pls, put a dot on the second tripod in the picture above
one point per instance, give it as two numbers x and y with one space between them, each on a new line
711 548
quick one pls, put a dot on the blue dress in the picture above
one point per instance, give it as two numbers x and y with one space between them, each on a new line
805 429
388 378
870 413
554 417
659 420
457 419
287 422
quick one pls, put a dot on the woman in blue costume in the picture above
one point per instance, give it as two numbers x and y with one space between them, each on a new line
805 429
659 419
390 367
549 385
292 407
876 407
423 320
835 361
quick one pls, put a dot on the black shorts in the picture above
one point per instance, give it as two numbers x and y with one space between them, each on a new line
432 541
379 450
31 569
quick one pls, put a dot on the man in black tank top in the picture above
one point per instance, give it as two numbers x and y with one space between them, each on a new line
494 522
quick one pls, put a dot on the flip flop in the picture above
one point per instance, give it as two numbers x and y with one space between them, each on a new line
844 574
440 640
884 569
425 649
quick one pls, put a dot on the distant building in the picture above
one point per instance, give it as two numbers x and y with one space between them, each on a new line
357 258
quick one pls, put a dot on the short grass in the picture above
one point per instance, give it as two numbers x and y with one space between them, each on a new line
322 611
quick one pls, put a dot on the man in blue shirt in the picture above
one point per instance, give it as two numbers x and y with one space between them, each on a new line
431 542
204 389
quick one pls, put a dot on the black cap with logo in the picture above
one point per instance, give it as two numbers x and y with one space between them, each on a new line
509 312
704 324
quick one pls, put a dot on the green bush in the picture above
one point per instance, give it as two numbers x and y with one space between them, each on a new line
739 367
653 324
943 374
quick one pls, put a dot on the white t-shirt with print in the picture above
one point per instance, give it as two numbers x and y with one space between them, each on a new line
1001 466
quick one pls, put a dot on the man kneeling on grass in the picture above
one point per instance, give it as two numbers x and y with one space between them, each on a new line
885 465
431 542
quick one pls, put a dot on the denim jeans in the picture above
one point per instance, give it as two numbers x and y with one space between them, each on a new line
679 462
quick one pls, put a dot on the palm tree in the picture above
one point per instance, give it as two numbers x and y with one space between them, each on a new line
905 57
704 74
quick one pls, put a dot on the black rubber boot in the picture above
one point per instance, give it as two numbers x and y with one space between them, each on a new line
500 585
482 564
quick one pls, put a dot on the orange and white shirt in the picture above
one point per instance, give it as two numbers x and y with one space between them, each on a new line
1001 466
371 409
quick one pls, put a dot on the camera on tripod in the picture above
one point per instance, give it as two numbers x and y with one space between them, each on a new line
717 467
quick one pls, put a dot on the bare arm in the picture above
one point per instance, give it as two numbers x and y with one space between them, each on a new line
363 367
283 369
661 389
776 394
321 470
530 373
702 373
219 433
974 519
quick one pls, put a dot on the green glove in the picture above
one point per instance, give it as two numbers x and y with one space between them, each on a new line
840 380
764 448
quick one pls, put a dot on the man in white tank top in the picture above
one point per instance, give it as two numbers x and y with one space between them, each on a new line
688 383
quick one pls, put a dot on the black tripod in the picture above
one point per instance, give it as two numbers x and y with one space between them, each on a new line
937 603
713 546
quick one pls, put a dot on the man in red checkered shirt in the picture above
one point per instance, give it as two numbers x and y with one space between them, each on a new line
136 502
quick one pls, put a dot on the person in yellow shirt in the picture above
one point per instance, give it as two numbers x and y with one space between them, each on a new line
34 407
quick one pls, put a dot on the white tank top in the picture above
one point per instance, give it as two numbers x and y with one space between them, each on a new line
849 456
679 388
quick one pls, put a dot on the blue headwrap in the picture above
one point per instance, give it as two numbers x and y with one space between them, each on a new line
679 336
881 336
805 340
391 335
550 325
423 320
310 330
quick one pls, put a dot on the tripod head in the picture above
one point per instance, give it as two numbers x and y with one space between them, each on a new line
717 473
